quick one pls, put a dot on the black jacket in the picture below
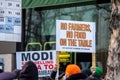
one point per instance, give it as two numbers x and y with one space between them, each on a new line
78 76
29 72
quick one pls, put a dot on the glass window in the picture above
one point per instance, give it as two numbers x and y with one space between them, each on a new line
41 23
41 27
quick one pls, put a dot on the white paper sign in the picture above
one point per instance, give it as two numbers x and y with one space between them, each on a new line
44 60
75 36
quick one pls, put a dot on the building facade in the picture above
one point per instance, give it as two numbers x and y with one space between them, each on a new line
39 29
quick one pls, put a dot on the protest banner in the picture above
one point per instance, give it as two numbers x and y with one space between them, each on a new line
44 60
75 36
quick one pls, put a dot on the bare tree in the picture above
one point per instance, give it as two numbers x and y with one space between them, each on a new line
113 61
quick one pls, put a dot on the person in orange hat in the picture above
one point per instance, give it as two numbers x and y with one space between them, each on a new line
72 69
73 72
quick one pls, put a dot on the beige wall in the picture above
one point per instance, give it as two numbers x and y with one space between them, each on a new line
8 61
7 47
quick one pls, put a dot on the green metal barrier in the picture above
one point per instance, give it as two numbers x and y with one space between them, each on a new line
33 43
46 43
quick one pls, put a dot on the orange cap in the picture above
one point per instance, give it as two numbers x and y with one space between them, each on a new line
72 69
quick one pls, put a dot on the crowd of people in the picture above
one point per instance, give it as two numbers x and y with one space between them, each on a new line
72 72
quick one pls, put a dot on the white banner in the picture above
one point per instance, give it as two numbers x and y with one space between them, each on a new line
75 36
44 60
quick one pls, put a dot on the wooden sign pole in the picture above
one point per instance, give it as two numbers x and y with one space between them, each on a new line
57 59
93 62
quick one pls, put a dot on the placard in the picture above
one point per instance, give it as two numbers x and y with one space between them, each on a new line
75 36
44 60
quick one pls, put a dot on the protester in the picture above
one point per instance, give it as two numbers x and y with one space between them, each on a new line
17 72
9 75
97 75
73 72
88 72
54 72
29 71
98 72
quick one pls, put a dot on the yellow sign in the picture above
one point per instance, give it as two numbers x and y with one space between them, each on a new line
65 57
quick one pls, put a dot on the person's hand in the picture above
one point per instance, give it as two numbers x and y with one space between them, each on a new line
56 67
